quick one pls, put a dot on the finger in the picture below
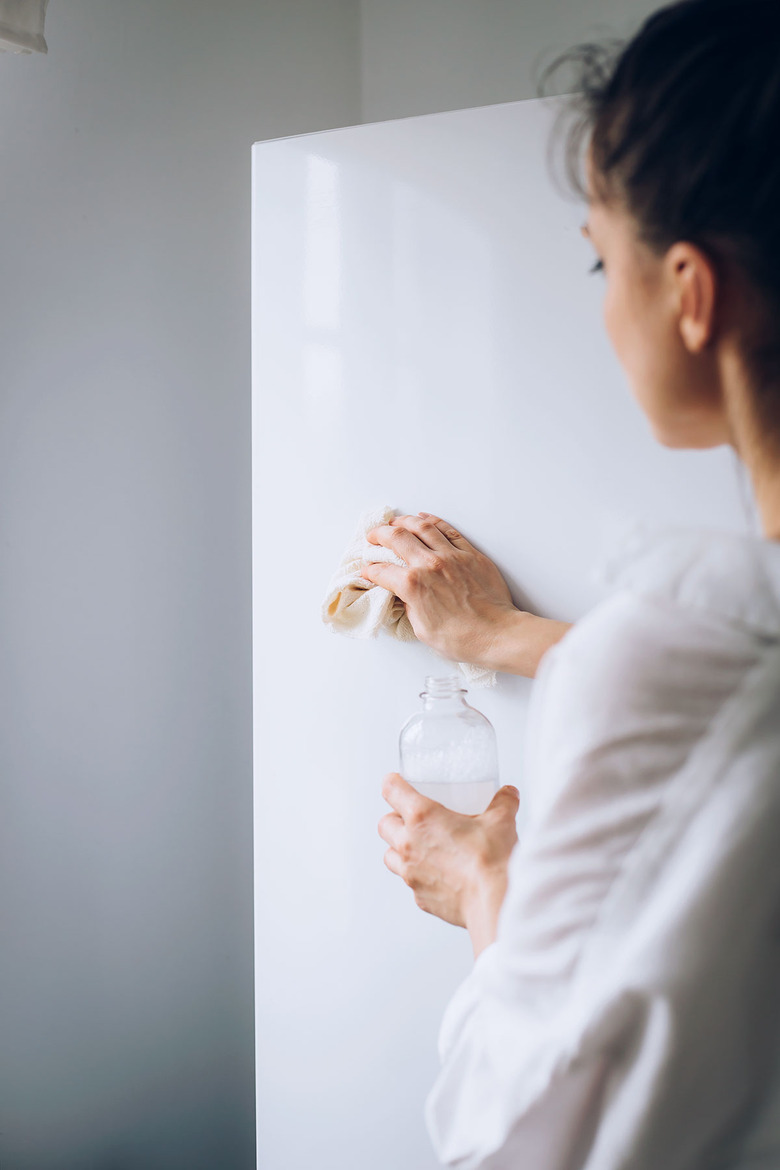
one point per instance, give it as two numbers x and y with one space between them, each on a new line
392 577
403 543
394 863
426 531
391 829
506 801
454 537
403 798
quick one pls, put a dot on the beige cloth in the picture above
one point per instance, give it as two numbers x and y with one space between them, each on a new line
360 609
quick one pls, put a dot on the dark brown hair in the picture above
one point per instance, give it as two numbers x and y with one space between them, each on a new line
683 125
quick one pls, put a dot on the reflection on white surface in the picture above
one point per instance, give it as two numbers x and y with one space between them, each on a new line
443 281
323 383
322 265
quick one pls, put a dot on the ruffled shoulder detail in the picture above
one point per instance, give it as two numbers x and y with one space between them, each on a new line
729 575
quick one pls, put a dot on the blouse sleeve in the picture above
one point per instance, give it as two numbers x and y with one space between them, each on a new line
570 1016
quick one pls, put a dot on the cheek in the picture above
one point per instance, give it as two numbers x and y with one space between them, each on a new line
628 322
637 332
614 319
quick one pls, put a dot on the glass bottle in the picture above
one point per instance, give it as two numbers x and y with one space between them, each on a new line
448 750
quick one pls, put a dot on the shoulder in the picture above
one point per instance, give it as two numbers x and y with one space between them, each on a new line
682 605
732 578
641 678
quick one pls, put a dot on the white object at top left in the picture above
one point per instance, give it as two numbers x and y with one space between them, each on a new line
21 26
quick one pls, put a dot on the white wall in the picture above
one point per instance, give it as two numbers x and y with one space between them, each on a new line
125 543
421 56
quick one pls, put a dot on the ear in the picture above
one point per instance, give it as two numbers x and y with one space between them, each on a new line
695 284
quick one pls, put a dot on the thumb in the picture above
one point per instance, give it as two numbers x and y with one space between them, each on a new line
506 800
388 575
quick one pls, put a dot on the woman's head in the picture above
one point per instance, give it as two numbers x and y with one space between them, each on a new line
682 175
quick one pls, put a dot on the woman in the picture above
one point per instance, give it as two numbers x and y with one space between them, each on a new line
622 1009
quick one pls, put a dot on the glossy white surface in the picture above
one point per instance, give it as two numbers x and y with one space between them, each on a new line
425 334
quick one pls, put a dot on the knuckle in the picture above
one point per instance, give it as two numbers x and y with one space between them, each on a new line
435 563
422 901
417 817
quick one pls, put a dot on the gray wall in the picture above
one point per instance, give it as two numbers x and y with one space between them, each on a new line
421 56
125 621
126 952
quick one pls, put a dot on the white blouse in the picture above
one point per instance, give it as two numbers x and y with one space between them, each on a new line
628 1013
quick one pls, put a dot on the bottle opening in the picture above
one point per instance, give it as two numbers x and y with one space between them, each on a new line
444 686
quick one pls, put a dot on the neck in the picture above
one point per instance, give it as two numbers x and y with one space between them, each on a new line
749 439
766 489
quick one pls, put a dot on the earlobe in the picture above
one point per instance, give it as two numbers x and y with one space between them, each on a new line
696 285
694 334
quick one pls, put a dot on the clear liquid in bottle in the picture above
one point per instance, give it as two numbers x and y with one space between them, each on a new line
448 750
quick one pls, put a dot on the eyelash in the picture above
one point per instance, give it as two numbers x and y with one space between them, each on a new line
598 266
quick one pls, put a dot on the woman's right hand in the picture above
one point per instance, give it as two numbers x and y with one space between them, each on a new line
456 599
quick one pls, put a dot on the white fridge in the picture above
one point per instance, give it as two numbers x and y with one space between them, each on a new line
426 335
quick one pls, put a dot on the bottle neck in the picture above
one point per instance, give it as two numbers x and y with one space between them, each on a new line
443 693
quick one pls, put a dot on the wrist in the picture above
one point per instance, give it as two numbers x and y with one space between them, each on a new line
483 905
520 641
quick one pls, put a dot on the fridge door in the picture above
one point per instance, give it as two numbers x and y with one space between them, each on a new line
425 335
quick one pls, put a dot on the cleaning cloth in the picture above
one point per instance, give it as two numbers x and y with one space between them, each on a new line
360 609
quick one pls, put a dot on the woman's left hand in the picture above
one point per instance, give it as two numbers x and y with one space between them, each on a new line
455 865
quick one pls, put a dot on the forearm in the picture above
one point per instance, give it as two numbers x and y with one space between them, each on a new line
522 640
